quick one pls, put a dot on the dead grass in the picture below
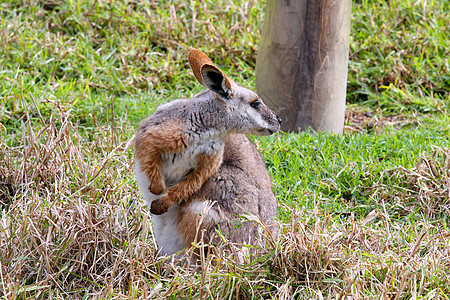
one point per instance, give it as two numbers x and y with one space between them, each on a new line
73 226
358 119
429 183
66 218
424 189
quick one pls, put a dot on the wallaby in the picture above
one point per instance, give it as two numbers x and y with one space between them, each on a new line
193 150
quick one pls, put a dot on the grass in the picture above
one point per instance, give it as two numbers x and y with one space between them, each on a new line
363 214
343 169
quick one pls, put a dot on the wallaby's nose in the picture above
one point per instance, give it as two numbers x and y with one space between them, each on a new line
279 120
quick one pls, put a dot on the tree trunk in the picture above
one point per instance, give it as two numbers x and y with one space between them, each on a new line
301 68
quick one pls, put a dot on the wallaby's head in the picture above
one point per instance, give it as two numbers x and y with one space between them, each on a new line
246 111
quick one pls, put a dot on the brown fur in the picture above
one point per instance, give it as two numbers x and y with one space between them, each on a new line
187 226
194 227
153 142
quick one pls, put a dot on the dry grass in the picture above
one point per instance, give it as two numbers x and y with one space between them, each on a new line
358 119
73 226
68 209
424 189
429 183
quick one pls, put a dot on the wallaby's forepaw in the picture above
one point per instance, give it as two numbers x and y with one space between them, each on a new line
160 206
157 188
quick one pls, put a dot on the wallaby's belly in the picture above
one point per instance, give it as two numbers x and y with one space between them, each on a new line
165 228
177 165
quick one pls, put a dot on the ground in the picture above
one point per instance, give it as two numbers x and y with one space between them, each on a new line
363 214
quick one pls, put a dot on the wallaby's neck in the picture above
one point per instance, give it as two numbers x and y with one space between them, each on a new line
215 115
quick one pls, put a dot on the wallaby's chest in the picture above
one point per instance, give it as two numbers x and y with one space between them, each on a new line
177 165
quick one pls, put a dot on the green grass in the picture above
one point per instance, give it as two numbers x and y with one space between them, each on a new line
401 49
365 213
87 53
343 168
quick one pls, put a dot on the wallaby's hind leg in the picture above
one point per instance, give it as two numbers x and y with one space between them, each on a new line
241 186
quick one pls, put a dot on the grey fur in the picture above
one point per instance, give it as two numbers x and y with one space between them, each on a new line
208 114
241 186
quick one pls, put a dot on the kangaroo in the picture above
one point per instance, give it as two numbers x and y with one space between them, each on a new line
193 150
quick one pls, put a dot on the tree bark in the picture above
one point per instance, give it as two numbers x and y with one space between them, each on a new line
301 68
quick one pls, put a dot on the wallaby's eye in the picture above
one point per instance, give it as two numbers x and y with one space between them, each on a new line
255 104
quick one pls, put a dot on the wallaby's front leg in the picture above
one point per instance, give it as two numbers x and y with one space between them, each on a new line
153 144
151 166
207 165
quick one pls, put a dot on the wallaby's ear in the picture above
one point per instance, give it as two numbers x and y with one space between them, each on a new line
208 74
215 80
197 59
